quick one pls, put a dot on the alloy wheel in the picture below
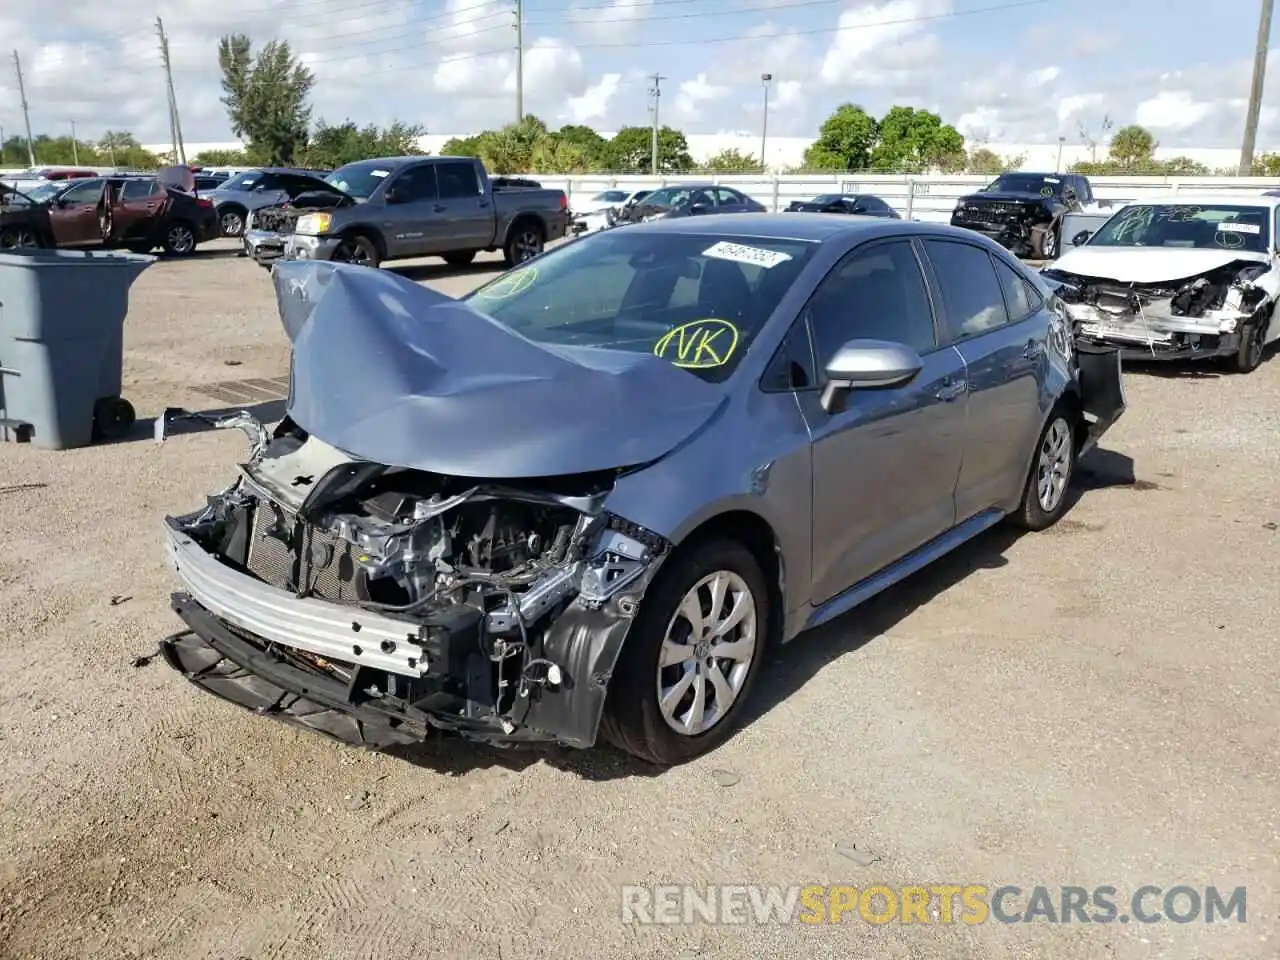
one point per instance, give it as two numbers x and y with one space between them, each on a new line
232 224
1054 465
181 240
707 652
527 246
17 238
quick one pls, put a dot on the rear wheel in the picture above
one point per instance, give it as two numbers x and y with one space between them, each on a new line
691 657
524 243
359 250
1044 500
179 239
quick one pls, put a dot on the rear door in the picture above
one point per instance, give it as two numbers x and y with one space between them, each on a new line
465 211
1002 337
138 204
74 215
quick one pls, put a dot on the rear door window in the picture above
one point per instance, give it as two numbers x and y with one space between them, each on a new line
137 189
416 184
971 295
457 179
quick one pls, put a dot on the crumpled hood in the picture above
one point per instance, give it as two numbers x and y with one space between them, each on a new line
390 371
1148 264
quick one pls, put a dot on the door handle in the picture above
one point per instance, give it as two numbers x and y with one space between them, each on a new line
951 390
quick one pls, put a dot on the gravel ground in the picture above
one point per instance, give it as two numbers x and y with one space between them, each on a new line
1093 705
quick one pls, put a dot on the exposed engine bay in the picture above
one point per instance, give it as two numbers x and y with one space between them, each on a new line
423 600
1202 315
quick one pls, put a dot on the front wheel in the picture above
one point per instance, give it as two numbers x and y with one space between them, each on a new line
1253 343
357 250
18 238
691 656
1044 500
231 221
1047 248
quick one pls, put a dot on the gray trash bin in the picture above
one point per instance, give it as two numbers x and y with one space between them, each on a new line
62 345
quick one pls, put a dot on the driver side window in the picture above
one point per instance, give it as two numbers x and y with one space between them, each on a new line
88 192
875 293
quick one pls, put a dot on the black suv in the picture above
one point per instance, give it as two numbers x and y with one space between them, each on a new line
1023 211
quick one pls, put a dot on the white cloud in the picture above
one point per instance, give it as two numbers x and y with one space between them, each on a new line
878 42
594 102
1172 110
1045 75
1071 107
606 23
694 94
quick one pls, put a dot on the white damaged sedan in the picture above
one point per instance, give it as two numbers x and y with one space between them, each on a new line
1183 276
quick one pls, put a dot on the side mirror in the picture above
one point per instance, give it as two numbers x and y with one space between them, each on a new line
868 365
1081 238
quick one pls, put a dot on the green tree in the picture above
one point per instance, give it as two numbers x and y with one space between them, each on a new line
591 143
554 153
730 161
630 151
221 158
845 141
916 141
266 97
120 149
332 146
1133 148
462 146
984 161
1183 167
1267 165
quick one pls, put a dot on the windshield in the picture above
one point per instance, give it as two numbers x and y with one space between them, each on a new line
667 197
1026 183
243 181
359 179
696 301
1198 226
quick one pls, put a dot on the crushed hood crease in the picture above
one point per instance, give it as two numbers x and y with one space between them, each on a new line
392 372
1149 264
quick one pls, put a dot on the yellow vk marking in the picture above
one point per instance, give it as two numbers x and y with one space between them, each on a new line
699 344
511 284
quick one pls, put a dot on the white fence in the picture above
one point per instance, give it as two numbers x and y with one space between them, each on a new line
929 198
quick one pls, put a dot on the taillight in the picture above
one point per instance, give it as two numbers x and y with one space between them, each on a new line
207 204
564 202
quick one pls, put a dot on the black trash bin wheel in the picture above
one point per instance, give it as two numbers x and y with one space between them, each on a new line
113 418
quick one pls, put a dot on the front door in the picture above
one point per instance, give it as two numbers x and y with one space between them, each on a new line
413 218
1003 345
74 216
884 467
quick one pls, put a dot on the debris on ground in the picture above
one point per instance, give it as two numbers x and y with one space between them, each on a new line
861 856
725 778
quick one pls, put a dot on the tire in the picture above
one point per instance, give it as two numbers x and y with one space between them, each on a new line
1047 246
524 242
113 418
19 238
634 719
1253 344
359 250
179 239
458 258
231 220
1044 498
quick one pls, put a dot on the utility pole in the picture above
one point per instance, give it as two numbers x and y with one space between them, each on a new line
1255 89
765 79
656 92
175 125
1061 141
75 150
519 60
26 114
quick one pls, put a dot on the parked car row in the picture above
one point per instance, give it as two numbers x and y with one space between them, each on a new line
618 475
138 213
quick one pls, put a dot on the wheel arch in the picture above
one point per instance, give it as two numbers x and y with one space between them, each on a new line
368 232
521 219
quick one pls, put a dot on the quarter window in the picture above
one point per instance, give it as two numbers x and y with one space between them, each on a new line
874 294
971 296
1020 297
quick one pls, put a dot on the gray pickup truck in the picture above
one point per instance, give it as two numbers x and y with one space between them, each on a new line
403 207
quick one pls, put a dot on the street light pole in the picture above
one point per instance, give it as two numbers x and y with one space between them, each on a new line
1061 141
765 79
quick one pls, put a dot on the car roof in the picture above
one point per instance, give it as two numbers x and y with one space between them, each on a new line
1208 198
814 227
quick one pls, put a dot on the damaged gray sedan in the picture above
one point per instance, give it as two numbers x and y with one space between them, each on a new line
583 500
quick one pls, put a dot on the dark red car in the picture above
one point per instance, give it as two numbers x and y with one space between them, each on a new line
138 213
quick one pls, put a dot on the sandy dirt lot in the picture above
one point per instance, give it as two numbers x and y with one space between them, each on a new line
1094 705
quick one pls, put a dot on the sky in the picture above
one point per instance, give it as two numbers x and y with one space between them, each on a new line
1001 71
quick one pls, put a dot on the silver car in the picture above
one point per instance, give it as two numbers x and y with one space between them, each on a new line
586 498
